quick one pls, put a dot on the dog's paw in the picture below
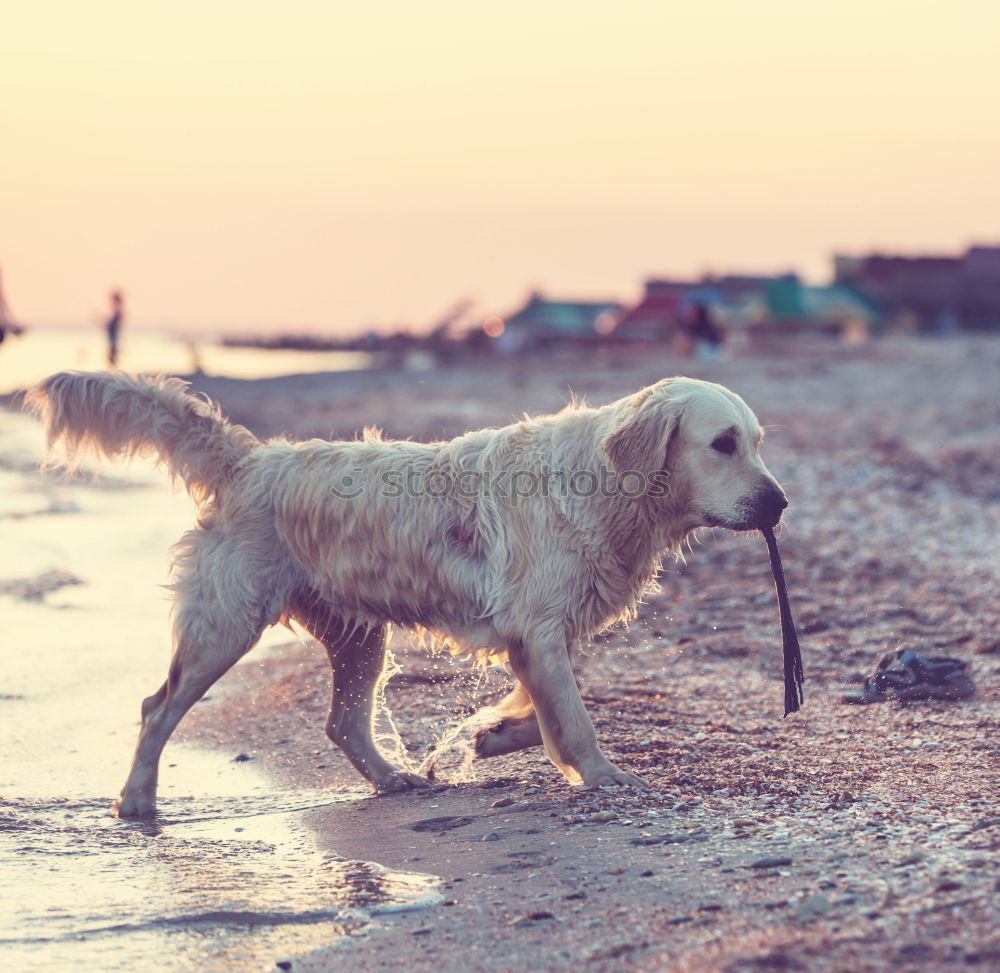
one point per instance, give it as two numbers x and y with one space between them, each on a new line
612 776
129 808
506 737
399 781
491 742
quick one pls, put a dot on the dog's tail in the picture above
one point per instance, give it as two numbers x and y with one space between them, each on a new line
115 414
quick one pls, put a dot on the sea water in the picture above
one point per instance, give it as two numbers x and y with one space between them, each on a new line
39 352
226 877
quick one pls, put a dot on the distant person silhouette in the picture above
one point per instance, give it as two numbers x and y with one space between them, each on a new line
114 326
704 332
7 322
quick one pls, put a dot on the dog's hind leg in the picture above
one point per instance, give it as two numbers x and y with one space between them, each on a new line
357 660
190 676
518 728
218 621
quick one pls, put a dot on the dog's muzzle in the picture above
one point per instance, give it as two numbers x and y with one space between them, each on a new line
760 510
766 508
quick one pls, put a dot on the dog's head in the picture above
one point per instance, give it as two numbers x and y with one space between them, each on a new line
697 444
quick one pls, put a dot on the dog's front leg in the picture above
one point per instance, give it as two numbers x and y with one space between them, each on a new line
542 665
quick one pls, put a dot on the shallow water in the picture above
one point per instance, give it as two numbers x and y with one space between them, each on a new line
226 878
42 351
217 883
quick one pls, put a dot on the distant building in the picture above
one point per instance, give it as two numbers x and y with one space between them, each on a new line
541 322
656 316
741 301
786 304
929 292
666 303
979 302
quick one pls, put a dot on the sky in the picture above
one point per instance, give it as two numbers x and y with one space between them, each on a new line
333 167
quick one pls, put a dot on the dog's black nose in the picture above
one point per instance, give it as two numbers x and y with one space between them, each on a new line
770 503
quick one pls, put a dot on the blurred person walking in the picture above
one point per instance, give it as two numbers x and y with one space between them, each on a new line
704 333
113 326
7 321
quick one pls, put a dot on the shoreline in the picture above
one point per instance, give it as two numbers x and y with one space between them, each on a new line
857 838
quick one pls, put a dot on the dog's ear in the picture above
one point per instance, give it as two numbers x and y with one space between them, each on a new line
642 440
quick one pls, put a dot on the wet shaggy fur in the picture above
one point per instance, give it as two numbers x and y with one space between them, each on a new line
515 542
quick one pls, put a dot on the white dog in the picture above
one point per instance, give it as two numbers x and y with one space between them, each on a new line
516 542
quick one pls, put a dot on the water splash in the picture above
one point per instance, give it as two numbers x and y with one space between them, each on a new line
453 756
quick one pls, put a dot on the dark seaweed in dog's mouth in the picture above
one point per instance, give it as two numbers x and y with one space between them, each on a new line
791 654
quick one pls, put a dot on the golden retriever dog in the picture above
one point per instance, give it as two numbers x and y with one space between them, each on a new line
515 542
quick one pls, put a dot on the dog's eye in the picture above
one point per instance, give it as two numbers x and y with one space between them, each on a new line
725 444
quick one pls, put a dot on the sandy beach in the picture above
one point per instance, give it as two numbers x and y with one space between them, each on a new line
842 838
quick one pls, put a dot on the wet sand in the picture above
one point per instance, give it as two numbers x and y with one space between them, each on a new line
860 838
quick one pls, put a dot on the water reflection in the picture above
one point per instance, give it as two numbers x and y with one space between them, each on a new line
220 881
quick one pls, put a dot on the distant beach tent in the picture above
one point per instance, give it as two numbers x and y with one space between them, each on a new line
784 297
